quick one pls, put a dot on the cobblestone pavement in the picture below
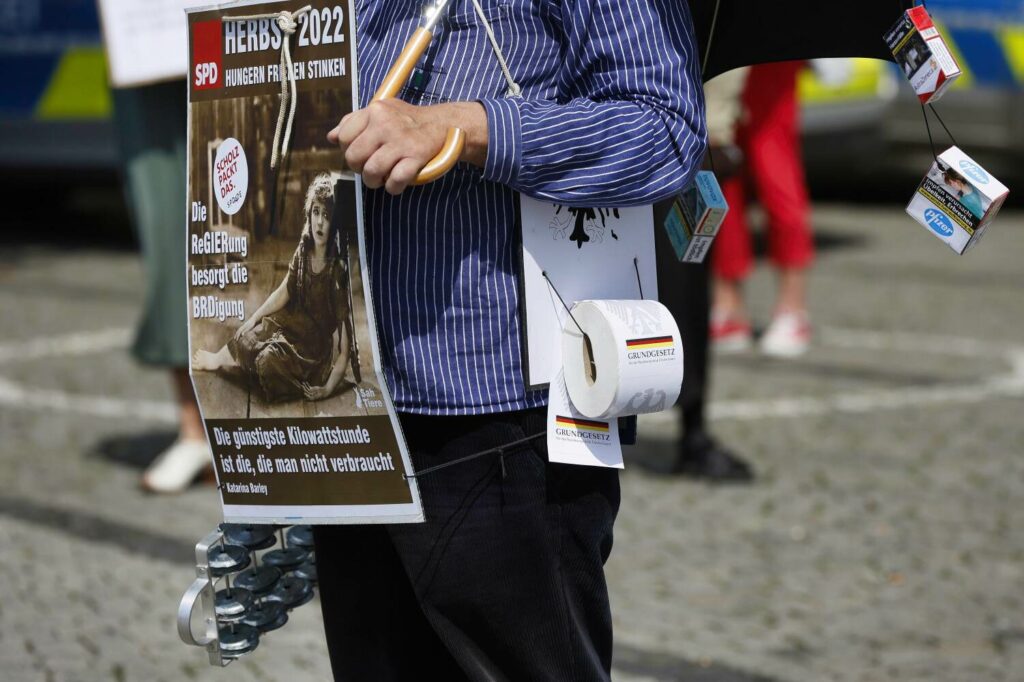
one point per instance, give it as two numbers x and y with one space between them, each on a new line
882 540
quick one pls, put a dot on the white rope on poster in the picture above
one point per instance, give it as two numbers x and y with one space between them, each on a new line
288 23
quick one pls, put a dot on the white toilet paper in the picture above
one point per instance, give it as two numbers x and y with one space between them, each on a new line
634 364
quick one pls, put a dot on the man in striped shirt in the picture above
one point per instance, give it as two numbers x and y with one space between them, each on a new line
505 580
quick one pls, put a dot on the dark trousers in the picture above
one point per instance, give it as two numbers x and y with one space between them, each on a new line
685 289
505 580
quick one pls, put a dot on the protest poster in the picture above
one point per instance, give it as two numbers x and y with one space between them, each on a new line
281 328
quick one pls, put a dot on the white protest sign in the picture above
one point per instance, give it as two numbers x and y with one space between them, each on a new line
146 40
588 253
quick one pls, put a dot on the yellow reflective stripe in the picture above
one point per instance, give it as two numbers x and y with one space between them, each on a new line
965 79
865 83
1012 40
78 86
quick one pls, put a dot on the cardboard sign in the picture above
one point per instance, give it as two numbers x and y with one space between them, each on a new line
281 323
922 55
575 439
588 253
145 41
957 200
695 217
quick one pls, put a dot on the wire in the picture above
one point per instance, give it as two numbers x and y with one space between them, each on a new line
927 126
501 449
552 285
711 39
932 107
639 284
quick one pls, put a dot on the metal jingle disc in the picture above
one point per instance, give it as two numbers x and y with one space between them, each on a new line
259 579
266 616
291 592
306 571
232 605
300 536
251 536
238 640
224 559
286 559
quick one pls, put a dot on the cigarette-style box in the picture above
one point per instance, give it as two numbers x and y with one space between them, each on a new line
957 200
921 53
695 217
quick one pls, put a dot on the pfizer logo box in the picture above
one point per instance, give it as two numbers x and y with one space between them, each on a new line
957 200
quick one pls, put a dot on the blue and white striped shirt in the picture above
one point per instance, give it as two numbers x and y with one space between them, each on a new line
611 115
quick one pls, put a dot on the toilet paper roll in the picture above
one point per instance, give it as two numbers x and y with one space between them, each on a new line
633 363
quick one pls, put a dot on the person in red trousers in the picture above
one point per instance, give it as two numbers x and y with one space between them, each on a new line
769 138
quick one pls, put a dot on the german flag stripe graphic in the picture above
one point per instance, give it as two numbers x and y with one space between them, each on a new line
583 424
650 342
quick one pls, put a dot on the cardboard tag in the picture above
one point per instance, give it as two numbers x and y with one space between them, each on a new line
957 200
695 217
922 54
575 439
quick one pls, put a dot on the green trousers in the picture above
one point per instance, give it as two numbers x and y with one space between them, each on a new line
151 125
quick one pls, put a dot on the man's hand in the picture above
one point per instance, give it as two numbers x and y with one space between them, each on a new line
390 141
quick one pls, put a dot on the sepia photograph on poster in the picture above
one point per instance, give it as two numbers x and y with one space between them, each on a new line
282 338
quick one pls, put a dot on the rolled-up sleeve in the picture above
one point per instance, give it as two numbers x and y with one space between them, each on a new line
628 127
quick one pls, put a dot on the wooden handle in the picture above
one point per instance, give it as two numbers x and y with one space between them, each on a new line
398 76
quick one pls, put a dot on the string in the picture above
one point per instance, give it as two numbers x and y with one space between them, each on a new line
513 88
927 126
502 449
943 125
551 284
711 159
711 38
639 284
287 22
704 69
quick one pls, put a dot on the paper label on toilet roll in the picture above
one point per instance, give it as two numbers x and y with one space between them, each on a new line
575 439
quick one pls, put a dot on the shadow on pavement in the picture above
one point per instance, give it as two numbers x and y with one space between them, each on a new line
135 450
662 666
86 526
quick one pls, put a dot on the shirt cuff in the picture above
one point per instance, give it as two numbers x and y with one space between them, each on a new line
504 139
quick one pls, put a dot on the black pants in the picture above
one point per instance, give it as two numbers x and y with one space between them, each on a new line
504 581
684 288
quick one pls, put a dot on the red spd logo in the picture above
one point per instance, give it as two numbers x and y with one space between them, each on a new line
207 52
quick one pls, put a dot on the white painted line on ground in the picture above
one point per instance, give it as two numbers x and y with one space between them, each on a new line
1010 384
77 343
16 395
933 344
23 397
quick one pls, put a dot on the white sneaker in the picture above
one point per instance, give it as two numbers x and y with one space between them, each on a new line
788 335
176 467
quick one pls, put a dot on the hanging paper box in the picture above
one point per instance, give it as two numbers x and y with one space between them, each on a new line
922 54
695 217
957 200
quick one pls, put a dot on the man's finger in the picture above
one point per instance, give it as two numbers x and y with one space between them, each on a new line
402 175
379 166
359 150
349 128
